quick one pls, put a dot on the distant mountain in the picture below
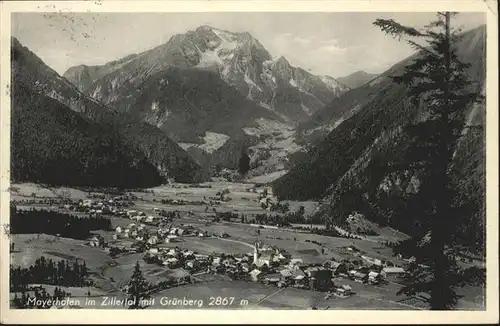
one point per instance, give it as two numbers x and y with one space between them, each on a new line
365 134
84 76
53 144
187 103
125 139
237 58
356 79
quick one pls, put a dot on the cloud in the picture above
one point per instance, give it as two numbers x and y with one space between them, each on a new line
332 49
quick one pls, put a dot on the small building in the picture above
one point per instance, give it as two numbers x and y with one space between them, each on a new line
153 250
372 261
192 264
360 277
245 267
171 262
343 291
118 229
373 277
296 261
286 273
153 240
171 238
94 242
272 278
256 275
392 272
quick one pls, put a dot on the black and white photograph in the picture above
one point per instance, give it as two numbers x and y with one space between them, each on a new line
257 160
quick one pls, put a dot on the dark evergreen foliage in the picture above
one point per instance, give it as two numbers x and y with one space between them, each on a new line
437 82
138 288
50 222
47 271
244 163
53 145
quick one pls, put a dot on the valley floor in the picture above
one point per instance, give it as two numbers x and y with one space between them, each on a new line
110 275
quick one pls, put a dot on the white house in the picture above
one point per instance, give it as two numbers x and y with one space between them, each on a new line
118 229
171 252
256 275
171 262
153 240
94 242
373 277
373 261
296 261
392 271
171 238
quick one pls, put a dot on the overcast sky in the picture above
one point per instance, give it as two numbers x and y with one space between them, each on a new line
335 44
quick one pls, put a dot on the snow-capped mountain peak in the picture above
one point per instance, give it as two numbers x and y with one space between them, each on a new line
239 59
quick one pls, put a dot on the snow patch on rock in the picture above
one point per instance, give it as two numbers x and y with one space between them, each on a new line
209 58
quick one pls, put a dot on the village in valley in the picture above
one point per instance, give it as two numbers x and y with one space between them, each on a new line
209 242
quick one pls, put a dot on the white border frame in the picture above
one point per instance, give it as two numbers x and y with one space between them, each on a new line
86 316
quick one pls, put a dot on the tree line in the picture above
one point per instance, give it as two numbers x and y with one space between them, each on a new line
55 223
46 271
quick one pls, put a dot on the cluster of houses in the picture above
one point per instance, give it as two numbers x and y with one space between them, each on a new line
115 205
175 258
280 269
168 234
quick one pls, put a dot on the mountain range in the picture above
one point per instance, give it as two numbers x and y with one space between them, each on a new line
45 102
238 59
357 134
207 95
356 79
213 91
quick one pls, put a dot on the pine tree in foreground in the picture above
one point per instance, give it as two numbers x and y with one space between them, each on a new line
138 288
437 84
244 163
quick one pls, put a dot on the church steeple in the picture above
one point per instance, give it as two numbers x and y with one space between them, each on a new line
255 252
